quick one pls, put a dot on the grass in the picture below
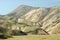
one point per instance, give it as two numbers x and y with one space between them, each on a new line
36 37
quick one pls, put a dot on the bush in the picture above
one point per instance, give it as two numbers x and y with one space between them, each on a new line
3 36
18 32
6 32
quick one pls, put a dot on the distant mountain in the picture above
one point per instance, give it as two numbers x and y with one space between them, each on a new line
47 19
20 11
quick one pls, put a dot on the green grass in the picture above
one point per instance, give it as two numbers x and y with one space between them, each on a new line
36 37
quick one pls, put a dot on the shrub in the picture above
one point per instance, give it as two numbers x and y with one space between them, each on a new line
8 33
18 32
5 33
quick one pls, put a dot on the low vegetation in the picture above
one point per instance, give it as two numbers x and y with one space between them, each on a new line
36 37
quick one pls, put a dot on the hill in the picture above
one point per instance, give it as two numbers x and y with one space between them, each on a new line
47 19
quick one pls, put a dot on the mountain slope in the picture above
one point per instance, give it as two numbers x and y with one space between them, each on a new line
21 10
46 17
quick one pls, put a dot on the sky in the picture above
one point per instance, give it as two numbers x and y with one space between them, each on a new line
7 6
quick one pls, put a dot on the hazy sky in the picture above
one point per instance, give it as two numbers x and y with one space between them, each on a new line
7 6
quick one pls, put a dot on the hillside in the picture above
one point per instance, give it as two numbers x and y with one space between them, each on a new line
19 11
47 19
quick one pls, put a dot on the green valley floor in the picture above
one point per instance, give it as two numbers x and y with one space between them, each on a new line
35 37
